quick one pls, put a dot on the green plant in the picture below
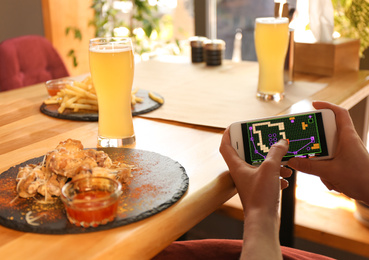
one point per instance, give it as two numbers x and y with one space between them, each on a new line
77 35
105 18
351 19
142 15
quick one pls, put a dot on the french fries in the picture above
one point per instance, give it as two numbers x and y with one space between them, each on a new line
81 95
134 98
156 98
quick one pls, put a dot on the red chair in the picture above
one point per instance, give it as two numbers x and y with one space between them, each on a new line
28 60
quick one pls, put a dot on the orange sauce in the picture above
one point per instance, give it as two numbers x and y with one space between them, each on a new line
90 212
53 91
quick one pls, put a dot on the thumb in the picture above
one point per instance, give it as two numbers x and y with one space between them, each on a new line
307 166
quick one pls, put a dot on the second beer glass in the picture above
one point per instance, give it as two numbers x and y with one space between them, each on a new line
112 69
271 44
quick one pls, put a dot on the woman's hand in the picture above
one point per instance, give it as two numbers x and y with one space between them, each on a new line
259 190
258 187
348 171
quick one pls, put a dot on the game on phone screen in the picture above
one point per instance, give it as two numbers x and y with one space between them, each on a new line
305 134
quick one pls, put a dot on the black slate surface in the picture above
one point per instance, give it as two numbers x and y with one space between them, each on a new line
157 183
146 106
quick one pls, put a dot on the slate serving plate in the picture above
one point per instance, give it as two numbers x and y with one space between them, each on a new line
158 182
146 106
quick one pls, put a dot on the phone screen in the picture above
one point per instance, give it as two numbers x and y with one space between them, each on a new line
305 134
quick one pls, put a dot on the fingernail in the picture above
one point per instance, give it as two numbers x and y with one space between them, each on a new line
283 141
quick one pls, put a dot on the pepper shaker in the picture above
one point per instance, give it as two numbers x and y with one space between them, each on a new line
214 52
197 48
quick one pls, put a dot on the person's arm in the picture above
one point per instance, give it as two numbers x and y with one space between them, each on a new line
259 190
348 171
261 237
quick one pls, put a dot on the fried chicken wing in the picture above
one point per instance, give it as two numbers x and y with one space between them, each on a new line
69 160
122 174
70 145
102 159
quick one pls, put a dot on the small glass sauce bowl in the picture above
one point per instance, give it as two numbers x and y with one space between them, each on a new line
55 85
91 201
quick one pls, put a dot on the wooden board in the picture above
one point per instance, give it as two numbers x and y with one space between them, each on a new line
146 106
157 183
213 96
74 14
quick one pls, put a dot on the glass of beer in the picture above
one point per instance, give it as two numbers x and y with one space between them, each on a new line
112 69
271 44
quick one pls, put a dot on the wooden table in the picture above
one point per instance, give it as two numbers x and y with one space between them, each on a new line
26 133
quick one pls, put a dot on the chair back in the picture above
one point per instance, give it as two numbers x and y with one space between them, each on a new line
28 60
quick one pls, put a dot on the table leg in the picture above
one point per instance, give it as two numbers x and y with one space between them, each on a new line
287 228
360 117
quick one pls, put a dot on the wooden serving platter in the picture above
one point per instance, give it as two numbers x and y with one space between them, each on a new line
157 183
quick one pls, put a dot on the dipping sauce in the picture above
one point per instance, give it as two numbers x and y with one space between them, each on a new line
92 211
55 85
91 201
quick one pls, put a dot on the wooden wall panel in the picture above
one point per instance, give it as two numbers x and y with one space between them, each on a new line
57 16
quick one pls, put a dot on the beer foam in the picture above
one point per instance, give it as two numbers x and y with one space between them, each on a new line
272 20
108 48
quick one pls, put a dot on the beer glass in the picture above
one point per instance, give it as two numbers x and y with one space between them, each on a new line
271 44
112 69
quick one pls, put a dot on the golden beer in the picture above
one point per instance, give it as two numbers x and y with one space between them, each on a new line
112 69
271 44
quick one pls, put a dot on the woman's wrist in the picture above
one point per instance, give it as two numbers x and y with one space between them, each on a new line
264 219
261 236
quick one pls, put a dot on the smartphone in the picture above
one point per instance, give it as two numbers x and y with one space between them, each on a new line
310 135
